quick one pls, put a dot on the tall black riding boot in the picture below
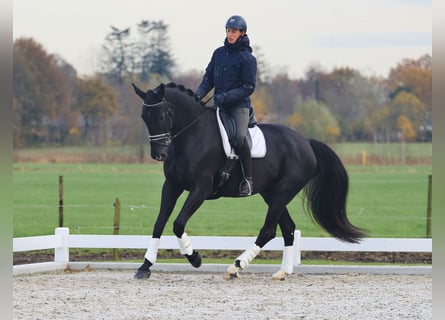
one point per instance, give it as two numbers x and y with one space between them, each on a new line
246 185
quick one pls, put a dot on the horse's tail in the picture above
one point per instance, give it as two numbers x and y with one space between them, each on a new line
326 195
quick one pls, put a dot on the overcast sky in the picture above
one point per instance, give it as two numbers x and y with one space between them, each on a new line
371 36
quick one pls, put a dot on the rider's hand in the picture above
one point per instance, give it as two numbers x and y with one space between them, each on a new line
197 97
218 99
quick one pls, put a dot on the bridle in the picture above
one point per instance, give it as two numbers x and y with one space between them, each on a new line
163 139
166 138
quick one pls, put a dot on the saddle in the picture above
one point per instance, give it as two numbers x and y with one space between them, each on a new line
255 137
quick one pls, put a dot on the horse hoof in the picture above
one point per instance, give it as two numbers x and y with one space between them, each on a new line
142 274
232 273
279 276
231 276
194 259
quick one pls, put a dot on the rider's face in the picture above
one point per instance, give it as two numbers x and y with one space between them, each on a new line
233 35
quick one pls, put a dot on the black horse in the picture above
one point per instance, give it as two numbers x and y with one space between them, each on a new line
184 134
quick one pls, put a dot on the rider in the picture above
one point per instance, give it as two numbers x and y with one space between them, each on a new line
232 72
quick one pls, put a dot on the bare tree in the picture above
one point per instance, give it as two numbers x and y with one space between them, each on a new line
116 54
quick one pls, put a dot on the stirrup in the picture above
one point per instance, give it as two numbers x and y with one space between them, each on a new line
246 187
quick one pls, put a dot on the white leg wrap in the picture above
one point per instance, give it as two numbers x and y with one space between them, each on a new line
185 245
287 264
248 256
152 250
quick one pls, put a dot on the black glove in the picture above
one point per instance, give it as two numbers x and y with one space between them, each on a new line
197 97
218 99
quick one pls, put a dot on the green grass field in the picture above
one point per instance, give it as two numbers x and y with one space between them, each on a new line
389 201
351 153
383 153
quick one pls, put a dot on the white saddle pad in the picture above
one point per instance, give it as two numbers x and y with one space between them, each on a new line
258 149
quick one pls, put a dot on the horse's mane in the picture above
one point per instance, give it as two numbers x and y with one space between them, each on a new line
183 89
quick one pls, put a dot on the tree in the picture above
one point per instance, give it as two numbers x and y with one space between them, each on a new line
263 69
408 106
142 48
67 121
117 54
342 91
313 119
415 77
153 51
407 132
351 98
96 101
40 93
284 93
374 99
147 55
406 128
261 102
310 85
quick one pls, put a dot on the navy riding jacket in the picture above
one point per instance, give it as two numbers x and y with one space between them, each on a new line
232 72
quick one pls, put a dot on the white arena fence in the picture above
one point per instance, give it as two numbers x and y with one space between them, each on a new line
62 241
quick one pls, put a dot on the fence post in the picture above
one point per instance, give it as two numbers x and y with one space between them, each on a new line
297 251
428 210
60 201
62 252
116 224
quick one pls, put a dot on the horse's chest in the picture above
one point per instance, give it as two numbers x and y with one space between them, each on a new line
181 172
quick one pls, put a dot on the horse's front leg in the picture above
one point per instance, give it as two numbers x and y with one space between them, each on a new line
194 200
170 194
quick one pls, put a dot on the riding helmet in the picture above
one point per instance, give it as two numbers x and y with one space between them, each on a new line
237 22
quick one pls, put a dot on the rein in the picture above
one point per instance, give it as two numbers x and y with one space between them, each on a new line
190 124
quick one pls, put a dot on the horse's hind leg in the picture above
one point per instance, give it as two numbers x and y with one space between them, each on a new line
287 227
268 232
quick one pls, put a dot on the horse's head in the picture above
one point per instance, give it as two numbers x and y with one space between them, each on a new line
158 118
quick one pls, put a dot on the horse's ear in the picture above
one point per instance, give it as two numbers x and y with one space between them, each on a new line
161 91
138 91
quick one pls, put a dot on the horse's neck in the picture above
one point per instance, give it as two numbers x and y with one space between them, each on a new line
185 113
194 123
